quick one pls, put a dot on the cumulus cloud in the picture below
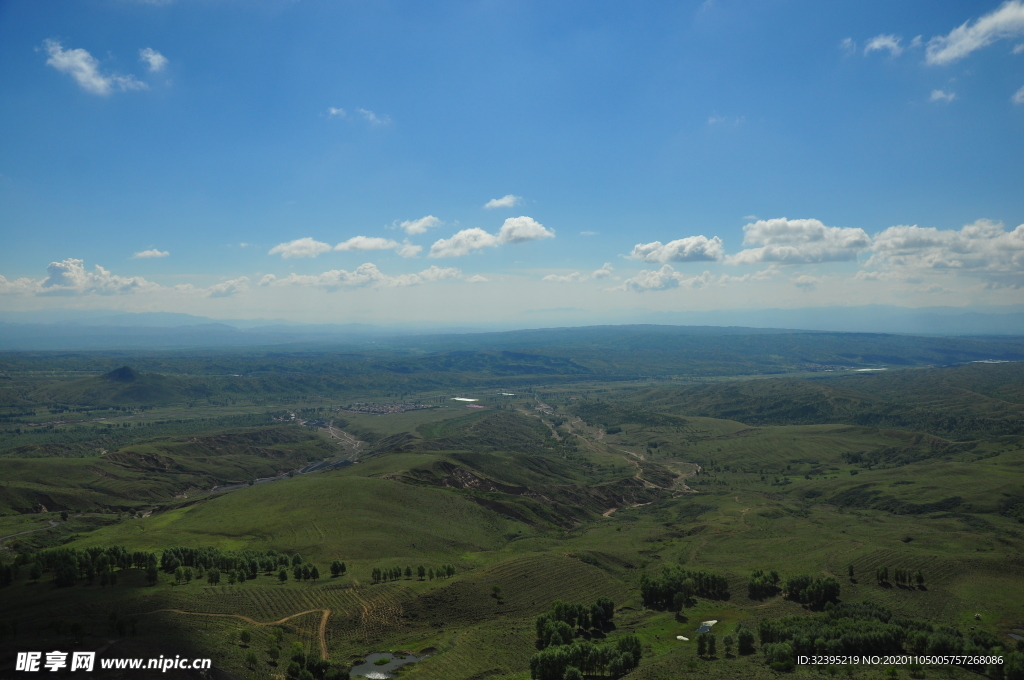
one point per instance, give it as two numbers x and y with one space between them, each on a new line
367 243
373 119
983 246
1007 21
409 250
566 278
520 229
462 243
85 69
514 230
364 276
477 278
1018 96
153 59
763 275
150 253
689 249
70 277
664 279
506 201
420 226
604 272
333 112
942 96
884 42
806 282
228 288
300 247
799 242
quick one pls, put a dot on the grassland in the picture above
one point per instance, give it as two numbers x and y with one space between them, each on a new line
567 490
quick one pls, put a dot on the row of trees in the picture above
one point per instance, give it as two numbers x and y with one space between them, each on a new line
570 662
561 625
903 577
382 574
676 588
69 565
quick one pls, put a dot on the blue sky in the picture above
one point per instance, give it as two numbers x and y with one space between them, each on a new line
332 161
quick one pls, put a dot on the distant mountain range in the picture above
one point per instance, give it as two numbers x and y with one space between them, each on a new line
106 329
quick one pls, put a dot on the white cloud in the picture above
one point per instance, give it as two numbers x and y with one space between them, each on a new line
848 45
150 253
18 286
335 113
763 275
520 229
689 249
1018 96
983 246
228 288
477 278
365 275
917 41
367 243
942 96
567 278
663 279
1018 48
84 68
373 118
514 230
409 250
884 42
506 201
807 282
156 61
462 243
714 120
420 226
799 242
604 272
69 277
301 247
1005 22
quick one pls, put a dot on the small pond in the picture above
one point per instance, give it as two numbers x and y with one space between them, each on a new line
373 671
705 626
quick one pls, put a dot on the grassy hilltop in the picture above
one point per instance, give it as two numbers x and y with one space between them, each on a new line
575 481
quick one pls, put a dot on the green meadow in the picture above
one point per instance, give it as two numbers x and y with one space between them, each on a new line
571 489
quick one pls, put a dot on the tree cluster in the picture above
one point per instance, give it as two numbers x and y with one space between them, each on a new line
850 628
571 661
763 585
562 624
676 588
67 565
813 591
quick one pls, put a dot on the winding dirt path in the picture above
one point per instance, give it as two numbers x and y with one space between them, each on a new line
53 523
322 630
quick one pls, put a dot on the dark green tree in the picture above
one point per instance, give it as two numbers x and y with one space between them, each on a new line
282 576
